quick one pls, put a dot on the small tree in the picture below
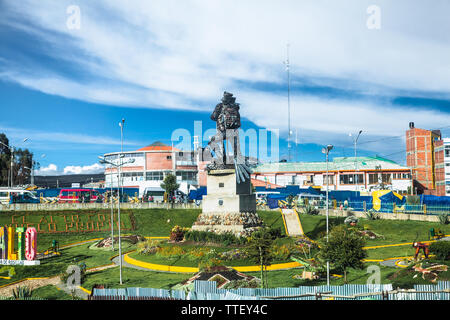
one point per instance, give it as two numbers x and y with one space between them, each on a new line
170 185
258 250
344 249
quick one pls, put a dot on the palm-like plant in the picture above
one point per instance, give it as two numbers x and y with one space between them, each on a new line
22 292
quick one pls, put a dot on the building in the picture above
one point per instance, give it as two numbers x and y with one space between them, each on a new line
420 157
151 165
442 167
69 180
344 173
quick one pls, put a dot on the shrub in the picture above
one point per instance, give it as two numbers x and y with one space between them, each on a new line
282 252
148 247
170 252
177 233
372 215
226 238
309 209
443 218
22 292
441 249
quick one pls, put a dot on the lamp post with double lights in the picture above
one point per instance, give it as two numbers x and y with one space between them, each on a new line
327 150
118 168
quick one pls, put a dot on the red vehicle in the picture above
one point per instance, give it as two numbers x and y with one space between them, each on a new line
79 195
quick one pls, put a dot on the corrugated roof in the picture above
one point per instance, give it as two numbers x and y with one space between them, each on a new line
338 164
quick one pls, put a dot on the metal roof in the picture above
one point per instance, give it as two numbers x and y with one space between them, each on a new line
338 164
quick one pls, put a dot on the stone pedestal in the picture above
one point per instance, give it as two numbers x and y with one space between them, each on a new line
229 206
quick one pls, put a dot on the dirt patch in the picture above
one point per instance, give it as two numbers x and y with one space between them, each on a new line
32 284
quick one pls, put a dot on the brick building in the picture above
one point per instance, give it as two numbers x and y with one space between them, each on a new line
421 157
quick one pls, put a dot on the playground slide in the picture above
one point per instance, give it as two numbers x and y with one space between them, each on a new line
292 222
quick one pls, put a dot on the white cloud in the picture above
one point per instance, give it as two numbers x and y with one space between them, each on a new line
52 170
90 169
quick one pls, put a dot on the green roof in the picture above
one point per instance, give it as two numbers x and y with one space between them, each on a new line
338 164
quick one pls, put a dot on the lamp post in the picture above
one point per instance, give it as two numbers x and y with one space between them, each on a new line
354 142
118 166
327 150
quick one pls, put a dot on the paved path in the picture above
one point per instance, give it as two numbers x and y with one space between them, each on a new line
292 222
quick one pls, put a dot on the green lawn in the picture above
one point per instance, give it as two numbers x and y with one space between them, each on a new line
159 222
50 292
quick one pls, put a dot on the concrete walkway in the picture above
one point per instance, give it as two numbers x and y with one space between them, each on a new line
293 226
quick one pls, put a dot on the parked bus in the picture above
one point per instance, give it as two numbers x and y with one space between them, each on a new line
79 195
8 195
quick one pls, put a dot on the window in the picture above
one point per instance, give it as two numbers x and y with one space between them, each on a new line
169 157
386 177
134 155
187 175
3 194
330 179
350 178
373 178
155 175
447 151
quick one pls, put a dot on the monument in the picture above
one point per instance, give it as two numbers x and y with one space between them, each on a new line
230 205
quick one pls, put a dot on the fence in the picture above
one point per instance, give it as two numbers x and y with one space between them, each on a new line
207 290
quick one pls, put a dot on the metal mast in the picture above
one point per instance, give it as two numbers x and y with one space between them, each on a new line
289 102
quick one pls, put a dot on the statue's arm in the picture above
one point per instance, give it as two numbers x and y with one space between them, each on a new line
216 112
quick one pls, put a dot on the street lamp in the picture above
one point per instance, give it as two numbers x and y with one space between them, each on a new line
118 166
327 150
354 142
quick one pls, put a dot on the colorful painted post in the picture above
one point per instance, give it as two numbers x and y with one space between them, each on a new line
21 243
30 244
4 242
11 243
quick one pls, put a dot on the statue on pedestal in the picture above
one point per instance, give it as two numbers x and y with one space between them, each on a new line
228 120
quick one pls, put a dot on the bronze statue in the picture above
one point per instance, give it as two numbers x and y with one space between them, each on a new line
228 120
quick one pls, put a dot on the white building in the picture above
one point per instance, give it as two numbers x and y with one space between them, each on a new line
150 167
344 173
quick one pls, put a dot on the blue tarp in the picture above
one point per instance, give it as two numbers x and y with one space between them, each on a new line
272 200
197 194
342 195
434 200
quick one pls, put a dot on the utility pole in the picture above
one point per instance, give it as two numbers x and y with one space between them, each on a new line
356 162
121 124
327 151
287 63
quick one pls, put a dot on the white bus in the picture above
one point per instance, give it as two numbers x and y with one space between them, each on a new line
20 195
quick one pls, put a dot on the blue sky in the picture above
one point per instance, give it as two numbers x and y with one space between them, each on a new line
164 65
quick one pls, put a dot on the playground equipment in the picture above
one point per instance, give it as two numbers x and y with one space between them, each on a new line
292 223
435 234
310 265
423 246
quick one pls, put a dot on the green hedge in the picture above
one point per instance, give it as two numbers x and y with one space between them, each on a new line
204 236
441 249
